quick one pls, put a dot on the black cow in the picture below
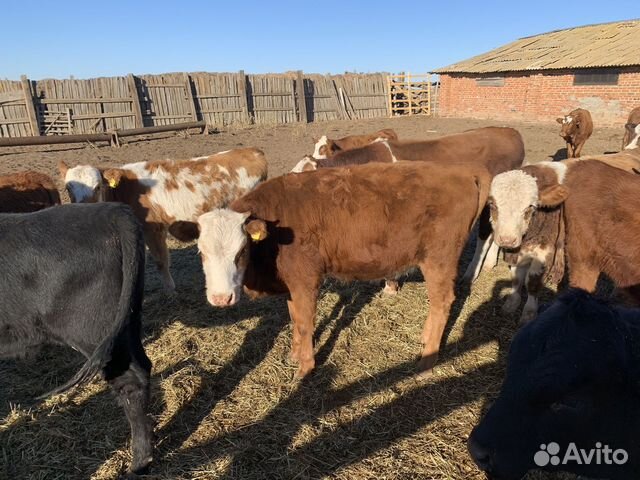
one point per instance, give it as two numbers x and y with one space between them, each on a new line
572 388
74 275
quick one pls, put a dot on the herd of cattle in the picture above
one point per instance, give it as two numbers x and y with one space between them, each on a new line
74 274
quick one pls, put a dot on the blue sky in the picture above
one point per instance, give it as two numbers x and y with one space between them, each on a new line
91 38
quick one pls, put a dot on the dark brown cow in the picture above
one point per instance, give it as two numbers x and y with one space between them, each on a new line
577 127
631 129
325 147
26 192
601 212
498 149
357 223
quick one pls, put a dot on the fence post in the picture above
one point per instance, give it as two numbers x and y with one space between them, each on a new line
302 100
135 100
31 109
242 91
190 102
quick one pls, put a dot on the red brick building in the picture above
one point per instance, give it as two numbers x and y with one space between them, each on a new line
538 78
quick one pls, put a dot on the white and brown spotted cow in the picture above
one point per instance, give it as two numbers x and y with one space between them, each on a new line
166 191
326 147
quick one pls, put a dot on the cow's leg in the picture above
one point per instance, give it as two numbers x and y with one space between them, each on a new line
155 237
491 259
534 285
577 150
569 150
518 276
440 274
302 308
128 375
484 240
390 287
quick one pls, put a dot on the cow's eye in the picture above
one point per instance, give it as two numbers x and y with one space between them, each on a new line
239 254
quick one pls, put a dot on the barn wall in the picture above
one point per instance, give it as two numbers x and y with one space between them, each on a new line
538 97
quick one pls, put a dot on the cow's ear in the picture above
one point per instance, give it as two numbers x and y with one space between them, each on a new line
257 229
113 176
62 168
559 120
553 196
185 231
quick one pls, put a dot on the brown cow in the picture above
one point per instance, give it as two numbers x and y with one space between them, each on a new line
600 211
632 130
28 191
325 147
577 127
498 149
163 192
356 223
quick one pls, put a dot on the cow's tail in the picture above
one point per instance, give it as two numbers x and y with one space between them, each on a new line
132 250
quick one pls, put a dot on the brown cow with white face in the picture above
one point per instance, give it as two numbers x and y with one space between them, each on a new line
576 129
168 191
356 223
326 147
600 212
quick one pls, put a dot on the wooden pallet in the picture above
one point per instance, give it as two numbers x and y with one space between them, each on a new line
409 94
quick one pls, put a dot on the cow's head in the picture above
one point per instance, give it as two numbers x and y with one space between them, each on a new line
634 136
570 125
513 199
224 243
307 164
84 183
570 378
325 148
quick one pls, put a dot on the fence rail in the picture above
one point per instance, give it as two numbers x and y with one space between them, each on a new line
102 105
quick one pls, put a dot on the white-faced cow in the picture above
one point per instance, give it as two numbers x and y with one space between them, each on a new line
576 129
569 401
325 147
73 275
601 218
163 192
355 223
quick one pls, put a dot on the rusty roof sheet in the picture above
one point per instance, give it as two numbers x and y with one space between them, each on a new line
605 45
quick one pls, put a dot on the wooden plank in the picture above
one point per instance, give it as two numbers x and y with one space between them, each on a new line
135 100
389 103
244 101
302 100
7 97
15 121
31 109
190 103
58 101
217 96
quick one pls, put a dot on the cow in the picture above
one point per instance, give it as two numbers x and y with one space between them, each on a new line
74 275
576 128
631 130
325 147
27 191
498 149
163 192
356 223
569 400
600 206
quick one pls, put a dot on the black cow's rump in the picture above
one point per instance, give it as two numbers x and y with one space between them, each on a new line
573 378
74 275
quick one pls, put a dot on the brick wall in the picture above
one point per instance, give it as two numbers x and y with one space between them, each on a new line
538 97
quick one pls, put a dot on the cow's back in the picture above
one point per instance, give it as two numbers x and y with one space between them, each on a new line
369 219
27 192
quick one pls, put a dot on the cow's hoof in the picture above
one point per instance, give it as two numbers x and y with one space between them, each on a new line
304 369
426 364
512 303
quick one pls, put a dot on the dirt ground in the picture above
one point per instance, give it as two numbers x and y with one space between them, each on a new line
223 394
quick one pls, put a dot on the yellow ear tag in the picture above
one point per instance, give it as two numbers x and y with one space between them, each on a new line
256 237
113 183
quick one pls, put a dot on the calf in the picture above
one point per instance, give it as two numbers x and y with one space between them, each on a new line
73 275
570 394
356 223
325 147
600 216
576 129
497 149
28 191
163 192
632 130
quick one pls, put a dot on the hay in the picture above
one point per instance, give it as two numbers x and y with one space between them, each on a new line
226 404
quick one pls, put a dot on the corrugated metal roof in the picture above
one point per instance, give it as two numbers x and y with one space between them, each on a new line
605 45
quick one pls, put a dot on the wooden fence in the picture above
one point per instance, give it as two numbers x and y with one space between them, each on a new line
97 105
